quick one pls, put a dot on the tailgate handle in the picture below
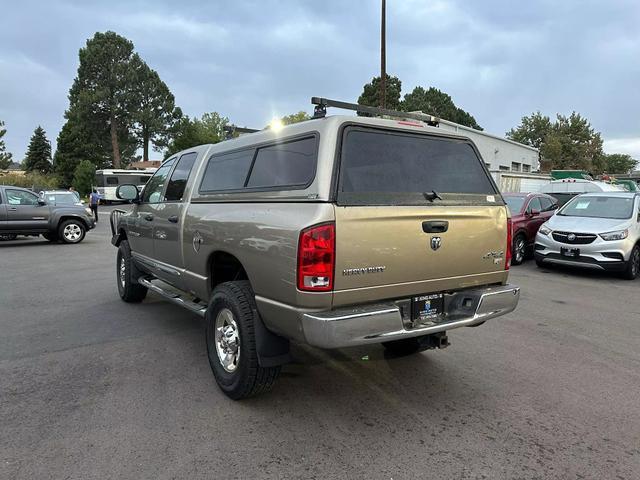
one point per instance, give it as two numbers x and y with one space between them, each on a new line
435 226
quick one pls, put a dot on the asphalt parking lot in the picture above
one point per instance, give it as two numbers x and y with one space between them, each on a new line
91 387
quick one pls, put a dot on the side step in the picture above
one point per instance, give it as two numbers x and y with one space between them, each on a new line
173 296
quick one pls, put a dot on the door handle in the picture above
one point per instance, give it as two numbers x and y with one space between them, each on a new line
173 219
435 226
13 209
148 217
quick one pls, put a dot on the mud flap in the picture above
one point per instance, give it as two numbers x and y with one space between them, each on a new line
272 349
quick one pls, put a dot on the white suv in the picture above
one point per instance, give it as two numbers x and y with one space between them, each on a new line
600 231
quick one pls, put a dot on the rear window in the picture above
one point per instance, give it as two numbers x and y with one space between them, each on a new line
284 164
380 167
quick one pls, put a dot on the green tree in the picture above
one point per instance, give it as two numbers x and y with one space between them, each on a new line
573 144
371 93
156 112
189 132
103 94
532 131
435 102
84 177
301 116
618 163
5 157
38 158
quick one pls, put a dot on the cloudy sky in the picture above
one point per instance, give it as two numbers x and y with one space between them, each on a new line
252 60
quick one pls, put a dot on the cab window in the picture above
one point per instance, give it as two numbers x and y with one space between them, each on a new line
179 177
153 190
20 197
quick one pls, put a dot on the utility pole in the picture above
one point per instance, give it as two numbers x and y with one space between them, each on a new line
383 59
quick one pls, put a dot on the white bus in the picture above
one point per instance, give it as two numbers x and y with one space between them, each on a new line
107 181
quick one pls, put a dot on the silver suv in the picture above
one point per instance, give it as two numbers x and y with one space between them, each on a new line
599 231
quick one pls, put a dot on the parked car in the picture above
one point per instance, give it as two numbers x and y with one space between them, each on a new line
61 197
22 212
599 231
528 212
567 188
395 238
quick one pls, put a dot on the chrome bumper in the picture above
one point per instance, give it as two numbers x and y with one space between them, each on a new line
388 321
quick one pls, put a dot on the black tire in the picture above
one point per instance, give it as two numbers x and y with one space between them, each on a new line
241 376
8 236
51 236
519 249
402 348
632 269
72 231
127 276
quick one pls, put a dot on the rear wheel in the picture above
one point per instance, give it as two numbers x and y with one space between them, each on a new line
72 231
633 265
127 276
519 249
231 343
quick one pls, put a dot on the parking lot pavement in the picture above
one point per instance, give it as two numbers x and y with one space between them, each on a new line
91 387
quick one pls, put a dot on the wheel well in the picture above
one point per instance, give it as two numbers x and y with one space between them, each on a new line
224 267
71 217
522 231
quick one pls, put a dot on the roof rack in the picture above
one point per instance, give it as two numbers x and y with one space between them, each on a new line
321 105
231 130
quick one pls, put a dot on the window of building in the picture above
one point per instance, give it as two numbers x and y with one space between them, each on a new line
515 167
526 168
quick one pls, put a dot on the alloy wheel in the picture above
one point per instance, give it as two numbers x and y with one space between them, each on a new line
72 232
227 340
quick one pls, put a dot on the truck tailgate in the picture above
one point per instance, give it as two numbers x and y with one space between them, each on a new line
387 245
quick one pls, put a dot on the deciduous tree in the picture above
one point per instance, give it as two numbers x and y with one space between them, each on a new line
84 177
435 102
189 132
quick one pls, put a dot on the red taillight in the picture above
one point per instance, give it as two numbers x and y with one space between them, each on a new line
316 258
507 259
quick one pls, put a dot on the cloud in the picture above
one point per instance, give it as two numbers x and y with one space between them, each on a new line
252 60
629 146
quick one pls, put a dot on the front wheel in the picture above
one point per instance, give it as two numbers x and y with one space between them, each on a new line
127 276
72 231
8 236
231 342
633 265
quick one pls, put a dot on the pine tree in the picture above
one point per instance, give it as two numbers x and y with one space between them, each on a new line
38 158
5 157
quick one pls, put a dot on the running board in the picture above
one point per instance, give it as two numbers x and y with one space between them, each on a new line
181 300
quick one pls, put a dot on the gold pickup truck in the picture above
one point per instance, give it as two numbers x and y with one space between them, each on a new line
336 231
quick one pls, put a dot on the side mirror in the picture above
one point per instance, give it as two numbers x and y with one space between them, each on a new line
41 202
534 213
128 192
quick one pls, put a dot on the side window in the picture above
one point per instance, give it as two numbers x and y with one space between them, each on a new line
546 204
534 204
285 164
20 197
153 190
227 172
112 180
178 180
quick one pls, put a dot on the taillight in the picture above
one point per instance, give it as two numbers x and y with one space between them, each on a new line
507 259
316 258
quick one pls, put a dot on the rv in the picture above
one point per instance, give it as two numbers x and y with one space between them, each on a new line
107 181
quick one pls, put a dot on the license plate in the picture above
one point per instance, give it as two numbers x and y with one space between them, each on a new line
427 307
570 252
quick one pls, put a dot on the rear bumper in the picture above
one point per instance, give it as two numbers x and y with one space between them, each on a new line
387 321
